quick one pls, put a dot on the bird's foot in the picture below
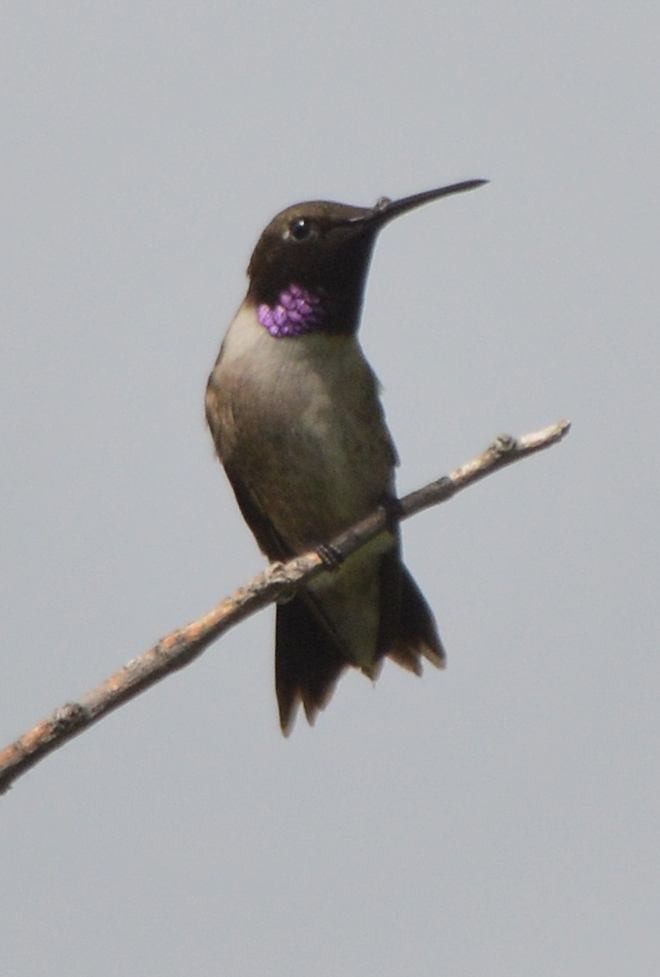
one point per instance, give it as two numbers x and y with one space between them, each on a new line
332 557
393 512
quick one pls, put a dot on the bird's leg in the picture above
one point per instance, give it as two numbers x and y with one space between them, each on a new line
393 512
332 557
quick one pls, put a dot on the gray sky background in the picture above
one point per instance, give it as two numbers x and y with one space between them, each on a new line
501 818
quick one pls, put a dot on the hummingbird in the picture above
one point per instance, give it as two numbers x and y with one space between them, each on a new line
295 414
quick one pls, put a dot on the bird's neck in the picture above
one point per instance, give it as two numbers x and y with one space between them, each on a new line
295 312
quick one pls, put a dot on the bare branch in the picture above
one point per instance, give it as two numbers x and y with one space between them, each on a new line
181 647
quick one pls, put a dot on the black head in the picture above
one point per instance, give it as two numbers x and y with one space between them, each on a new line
325 247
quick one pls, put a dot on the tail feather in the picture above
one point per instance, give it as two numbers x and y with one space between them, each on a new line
307 662
417 634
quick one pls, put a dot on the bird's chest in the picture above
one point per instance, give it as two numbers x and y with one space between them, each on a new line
300 417
295 394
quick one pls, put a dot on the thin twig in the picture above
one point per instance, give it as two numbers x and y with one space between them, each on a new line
181 647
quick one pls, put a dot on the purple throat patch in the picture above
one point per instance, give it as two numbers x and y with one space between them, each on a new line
296 312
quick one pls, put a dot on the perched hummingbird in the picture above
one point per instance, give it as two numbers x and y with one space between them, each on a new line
295 414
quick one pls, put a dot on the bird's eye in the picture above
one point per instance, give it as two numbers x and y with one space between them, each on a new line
301 229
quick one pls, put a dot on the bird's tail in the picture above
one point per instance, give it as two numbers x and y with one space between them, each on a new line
416 635
307 661
309 658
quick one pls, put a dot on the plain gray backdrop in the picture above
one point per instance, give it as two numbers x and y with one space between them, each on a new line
501 818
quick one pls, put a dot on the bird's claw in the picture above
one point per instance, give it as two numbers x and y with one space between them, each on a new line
330 555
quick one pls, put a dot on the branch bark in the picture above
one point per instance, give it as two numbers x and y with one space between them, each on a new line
178 649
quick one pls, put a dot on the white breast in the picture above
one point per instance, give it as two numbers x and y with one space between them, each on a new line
321 388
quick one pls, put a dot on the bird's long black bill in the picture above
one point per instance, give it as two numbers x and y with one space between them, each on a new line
386 210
